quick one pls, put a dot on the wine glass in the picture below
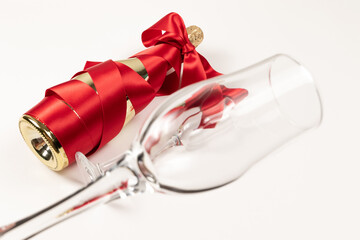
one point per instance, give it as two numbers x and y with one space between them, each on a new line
203 137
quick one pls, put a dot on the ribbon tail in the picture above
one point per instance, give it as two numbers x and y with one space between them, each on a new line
209 71
196 68
89 64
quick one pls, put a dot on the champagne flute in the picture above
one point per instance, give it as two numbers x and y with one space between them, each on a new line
203 137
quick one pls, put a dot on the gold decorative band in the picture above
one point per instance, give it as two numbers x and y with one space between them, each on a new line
133 63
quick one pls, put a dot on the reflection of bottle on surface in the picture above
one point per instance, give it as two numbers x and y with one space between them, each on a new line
203 110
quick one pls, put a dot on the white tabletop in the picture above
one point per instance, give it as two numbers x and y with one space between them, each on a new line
309 190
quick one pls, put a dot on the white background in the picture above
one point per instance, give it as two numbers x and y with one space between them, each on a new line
309 190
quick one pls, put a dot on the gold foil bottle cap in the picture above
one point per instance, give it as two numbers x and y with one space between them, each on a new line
195 35
44 144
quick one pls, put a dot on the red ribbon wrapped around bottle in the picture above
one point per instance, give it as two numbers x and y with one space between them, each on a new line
88 111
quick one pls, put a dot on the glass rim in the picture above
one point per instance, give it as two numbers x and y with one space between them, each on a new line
310 79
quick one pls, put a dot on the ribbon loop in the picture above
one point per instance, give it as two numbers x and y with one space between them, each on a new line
171 30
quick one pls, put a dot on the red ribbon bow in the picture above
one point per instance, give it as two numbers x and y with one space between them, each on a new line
171 31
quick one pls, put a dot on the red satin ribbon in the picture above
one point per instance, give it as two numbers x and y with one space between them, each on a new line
85 120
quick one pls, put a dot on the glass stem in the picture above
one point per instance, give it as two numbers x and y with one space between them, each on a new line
118 182
105 166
